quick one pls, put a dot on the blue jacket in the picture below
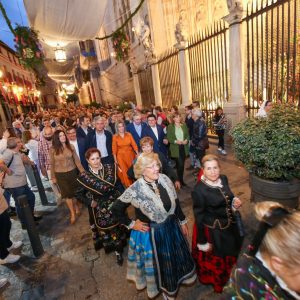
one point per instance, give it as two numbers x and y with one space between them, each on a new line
81 147
158 146
130 128
90 142
80 132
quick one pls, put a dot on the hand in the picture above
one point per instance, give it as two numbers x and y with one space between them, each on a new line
237 203
165 141
94 204
9 172
185 142
179 142
177 184
43 171
140 226
6 134
185 230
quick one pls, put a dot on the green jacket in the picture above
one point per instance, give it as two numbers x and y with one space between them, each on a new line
174 148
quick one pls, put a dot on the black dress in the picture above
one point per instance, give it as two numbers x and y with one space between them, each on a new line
215 223
104 188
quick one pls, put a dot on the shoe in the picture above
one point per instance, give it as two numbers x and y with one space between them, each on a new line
3 282
15 245
10 259
120 259
37 218
223 152
220 149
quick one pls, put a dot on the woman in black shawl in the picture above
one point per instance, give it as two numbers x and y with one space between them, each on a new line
102 188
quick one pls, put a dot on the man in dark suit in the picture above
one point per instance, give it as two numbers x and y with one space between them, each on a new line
101 139
79 145
136 128
84 128
156 132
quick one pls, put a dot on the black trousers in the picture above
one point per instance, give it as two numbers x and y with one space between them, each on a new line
180 163
220 134
5 242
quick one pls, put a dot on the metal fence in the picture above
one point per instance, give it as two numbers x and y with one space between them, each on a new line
168 67
146 87
273 52
209 66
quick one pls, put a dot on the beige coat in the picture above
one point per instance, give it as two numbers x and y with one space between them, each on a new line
3 203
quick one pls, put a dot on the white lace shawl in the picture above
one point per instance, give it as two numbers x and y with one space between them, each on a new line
141 196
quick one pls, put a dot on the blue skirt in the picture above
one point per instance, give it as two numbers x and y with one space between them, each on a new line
160 259
173 260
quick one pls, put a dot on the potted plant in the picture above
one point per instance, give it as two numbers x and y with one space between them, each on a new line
269 148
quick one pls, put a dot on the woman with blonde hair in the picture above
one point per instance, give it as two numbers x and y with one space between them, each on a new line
124 150
158 256
271 267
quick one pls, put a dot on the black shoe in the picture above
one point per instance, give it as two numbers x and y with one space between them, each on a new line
120 259
37 218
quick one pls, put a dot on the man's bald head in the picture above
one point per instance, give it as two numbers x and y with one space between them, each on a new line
48 133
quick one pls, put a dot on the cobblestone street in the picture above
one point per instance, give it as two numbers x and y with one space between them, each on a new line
71 269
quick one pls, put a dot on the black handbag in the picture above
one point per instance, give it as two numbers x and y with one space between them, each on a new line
239 223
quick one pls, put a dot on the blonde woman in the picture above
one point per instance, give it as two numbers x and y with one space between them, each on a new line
124 150
158 255
271 268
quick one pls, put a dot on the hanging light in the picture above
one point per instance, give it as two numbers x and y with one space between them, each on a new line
60 54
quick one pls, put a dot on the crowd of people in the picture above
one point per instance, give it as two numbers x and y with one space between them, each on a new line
109 160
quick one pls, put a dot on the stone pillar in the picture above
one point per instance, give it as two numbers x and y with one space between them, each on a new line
156 84
184 74
235 107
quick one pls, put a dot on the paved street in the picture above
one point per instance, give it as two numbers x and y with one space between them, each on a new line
71 269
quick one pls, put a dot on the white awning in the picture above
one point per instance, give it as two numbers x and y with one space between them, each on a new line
64 21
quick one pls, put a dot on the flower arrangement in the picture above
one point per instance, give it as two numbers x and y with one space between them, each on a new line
28 47
121 45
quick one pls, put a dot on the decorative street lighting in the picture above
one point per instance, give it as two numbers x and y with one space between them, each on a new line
60 54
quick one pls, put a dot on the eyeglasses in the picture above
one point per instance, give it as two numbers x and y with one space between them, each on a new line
154 167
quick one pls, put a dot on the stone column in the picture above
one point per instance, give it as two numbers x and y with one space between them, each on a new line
136 84
184 74
156 84
235 107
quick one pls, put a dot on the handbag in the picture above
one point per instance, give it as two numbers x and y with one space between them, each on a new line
203 144
239 223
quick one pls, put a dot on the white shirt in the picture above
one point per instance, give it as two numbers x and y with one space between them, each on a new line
32 146
155 131
75 144
101 143
85 130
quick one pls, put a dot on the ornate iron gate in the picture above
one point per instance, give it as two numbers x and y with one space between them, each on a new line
146 87
273 53
168 67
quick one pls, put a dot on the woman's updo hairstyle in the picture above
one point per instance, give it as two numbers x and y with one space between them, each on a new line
283 238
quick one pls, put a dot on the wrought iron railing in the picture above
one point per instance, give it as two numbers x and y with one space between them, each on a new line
273 53
168 67
209 66
146 86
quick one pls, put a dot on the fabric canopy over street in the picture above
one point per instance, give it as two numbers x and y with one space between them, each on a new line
64 21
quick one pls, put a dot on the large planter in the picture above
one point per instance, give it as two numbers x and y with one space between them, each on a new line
286 193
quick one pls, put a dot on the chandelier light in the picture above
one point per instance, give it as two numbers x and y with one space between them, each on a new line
60 54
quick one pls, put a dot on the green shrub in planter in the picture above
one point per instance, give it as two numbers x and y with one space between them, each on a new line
270 147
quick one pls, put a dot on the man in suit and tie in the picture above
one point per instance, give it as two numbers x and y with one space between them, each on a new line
156 132
84 128
101 139
79 145
136 128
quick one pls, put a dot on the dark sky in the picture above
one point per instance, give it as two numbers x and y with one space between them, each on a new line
16 13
